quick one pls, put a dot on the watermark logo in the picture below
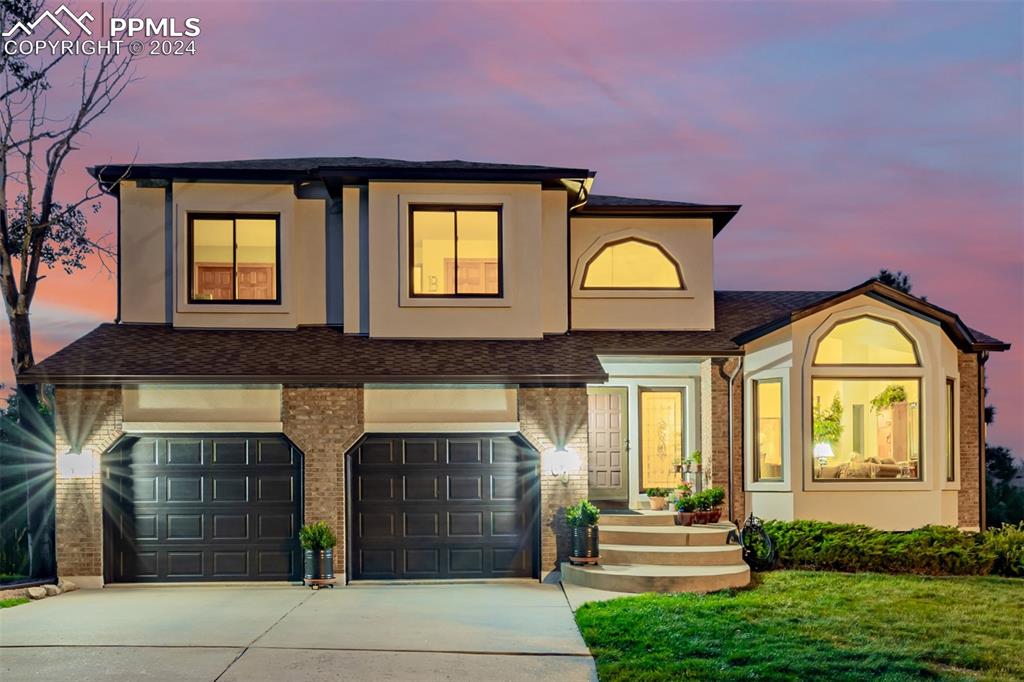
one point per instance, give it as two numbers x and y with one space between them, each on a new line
137 35
30 28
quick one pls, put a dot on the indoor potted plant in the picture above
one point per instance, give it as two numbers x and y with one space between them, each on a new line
703 513
658 498
582 520
693 464
318 541
716 497
685 506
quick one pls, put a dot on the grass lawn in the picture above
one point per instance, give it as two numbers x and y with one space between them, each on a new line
802 625
13 601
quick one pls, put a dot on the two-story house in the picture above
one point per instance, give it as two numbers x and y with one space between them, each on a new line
437 357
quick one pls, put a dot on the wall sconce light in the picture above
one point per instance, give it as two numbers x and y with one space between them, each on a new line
73 464
561 462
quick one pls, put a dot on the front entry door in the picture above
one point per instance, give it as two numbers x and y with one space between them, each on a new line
609 443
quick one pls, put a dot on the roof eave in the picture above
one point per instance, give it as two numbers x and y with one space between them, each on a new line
33 377
720 215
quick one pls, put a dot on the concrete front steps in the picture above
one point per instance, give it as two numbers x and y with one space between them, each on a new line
647 552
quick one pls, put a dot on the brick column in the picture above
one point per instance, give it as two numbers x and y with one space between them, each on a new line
715 428
324 422
970 423
551 418
87 420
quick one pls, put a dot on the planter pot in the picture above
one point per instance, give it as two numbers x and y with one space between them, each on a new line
716 515
679 468
658 503
584 545
701 516
319 564
684 518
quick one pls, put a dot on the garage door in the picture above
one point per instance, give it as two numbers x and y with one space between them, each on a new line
443 506
194 508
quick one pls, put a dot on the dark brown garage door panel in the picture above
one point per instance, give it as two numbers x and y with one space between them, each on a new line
446 506
185 508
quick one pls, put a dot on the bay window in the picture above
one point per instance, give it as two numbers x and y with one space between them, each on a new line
768 430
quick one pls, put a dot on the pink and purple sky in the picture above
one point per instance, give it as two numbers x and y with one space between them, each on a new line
856 135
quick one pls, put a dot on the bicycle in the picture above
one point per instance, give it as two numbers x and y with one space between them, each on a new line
758 548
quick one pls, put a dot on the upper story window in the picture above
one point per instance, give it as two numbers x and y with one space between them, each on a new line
455 251
234 258
632 263
866 341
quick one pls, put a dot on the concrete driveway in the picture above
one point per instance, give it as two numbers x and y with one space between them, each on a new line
499 631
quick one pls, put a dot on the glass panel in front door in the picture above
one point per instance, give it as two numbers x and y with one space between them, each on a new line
661 437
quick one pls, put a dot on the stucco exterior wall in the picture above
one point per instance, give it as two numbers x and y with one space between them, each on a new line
554 246
689 241
403 408
157 408
302 262
552 418
889 504
143 239
393 314
88 421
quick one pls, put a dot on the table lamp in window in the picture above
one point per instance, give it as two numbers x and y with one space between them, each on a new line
823 453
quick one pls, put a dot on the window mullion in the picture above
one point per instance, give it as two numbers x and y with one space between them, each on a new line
234 259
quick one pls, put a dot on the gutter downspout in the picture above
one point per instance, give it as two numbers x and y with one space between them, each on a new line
732 378
982 473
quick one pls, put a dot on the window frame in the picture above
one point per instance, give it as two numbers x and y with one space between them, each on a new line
951 422
632 238
848 320
640 391
454 209
233 216
921 387
755 468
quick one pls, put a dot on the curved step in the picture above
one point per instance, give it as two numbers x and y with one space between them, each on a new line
642 578
647 518
676 536
668 555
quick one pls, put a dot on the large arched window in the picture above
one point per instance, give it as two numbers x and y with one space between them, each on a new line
632 263
866 423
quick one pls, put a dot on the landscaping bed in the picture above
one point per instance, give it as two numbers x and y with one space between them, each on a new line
815 625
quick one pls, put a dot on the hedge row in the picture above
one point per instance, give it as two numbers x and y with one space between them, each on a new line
932 550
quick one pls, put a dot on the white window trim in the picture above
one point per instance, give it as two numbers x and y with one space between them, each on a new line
929 365
786 484
581 266
508 219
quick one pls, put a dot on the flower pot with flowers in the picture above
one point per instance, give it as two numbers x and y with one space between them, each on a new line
685 507
658 498
703 513
716 497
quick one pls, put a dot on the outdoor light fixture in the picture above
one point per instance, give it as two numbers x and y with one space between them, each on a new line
562 462
73 464
823 453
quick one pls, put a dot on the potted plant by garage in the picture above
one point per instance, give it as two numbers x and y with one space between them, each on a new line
703 513
658 498
685 506
318 541
582 520
716 497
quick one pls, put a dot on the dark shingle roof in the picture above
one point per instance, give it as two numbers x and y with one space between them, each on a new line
115 353
602 200
326 162
601 205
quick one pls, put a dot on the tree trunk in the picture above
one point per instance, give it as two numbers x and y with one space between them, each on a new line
21 342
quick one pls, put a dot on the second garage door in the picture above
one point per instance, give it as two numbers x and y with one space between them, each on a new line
443 506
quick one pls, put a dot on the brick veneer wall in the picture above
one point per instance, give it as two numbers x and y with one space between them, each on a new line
88 419
550 418
715 428
969 496
324 422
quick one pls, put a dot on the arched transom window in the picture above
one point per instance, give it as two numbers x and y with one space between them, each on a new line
866 341
632 263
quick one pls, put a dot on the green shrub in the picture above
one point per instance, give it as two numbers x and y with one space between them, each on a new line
658 492
1007 543
931 550
716 496
687 503
703 500
582 514
317 536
